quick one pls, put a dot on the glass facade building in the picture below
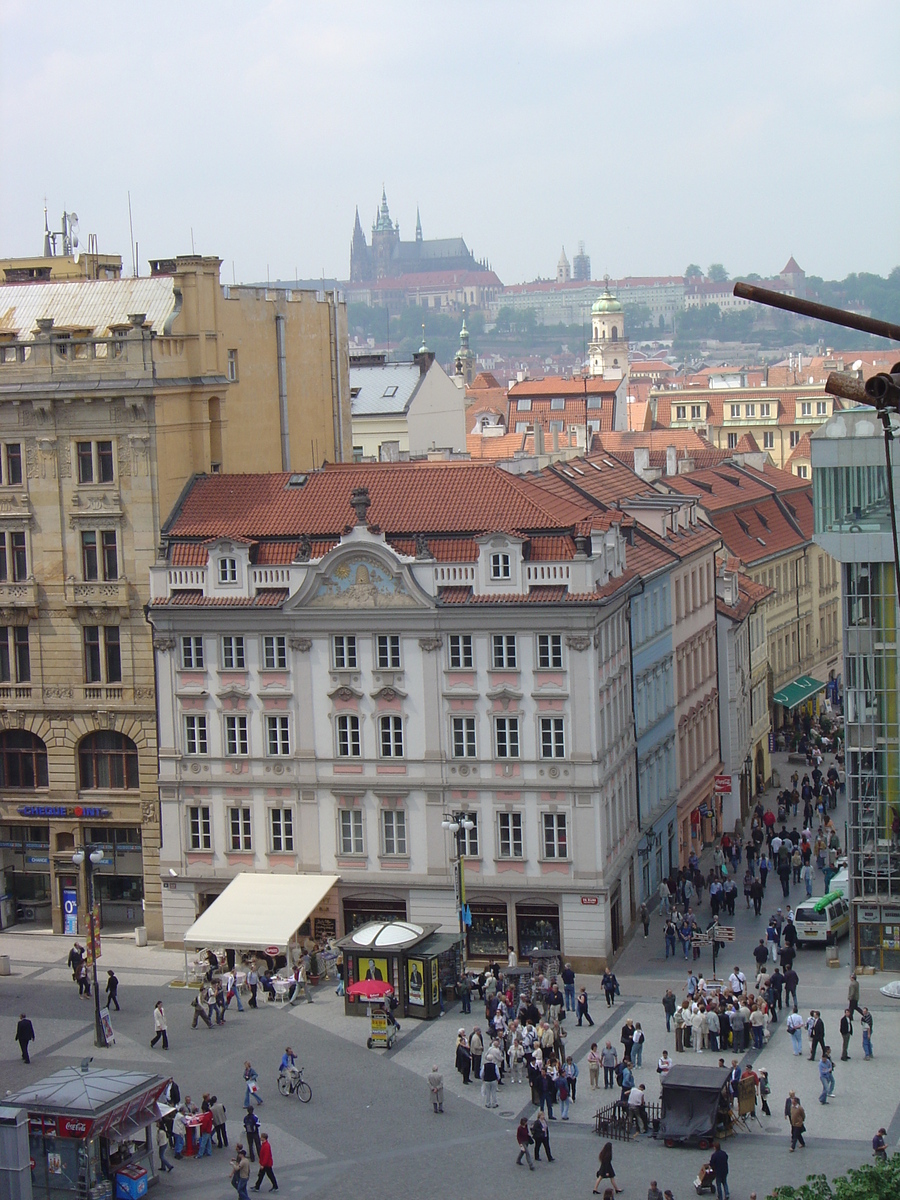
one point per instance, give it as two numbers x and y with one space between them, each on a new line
852 523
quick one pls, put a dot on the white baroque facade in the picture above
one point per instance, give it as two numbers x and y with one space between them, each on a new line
330 688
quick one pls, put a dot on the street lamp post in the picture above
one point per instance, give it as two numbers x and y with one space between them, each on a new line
457 823
90 857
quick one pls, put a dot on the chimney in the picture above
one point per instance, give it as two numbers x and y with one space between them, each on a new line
671 460
538 438
359 502
641 460
423 360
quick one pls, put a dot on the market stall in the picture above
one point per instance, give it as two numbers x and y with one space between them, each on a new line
696 1107
263 914
91 1132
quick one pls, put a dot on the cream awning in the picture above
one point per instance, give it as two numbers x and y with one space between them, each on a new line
256 911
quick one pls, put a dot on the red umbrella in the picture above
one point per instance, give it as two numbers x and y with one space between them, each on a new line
370 989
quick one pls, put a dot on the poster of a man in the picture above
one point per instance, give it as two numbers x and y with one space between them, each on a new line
416 982
377 969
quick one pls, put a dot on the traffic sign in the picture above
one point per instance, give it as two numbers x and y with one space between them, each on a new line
723 933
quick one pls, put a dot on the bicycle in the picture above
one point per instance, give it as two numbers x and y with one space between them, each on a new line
292 1083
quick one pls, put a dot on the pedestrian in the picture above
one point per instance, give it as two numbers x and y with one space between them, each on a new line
853 994
797 1118
605 1170
436 1089
232 991
568 978
540 1131
160 1027
866 1023
84 981
563 1095
637 1045
112 990
24 1035
879 1145
653 1192
637 1108
826 1074
218 1114
206 1132
476 1048
765 1091
265 1165
718 1160
644 914
200 1005
846 1031
670 936
523 1141
162 1146
610 986
179 1132
664 1065
669 1004
627 1039
463 1055
572 1076
253 984
75 959
608 1059
251 1078
816 1027
251 1128
594 1066
464 991
794 1026
581 1008
240 1173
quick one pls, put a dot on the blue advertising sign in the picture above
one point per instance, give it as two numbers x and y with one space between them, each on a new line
70 912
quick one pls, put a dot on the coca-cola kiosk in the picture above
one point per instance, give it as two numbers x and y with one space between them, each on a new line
91 1133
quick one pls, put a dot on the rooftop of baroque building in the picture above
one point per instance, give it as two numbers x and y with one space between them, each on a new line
92 306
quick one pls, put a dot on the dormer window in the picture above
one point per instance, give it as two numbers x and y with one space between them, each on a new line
695 412
390 391
500 567
680 412
227 570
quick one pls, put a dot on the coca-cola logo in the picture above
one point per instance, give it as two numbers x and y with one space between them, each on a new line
73 1127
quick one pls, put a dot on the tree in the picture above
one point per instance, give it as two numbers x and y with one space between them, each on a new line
692 271
872 1181
716 273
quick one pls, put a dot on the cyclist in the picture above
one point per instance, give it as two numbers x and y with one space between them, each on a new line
288 1062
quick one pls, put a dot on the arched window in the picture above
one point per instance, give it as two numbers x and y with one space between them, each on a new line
107 760
23 760
615 333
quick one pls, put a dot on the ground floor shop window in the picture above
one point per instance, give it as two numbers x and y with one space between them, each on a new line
488 935
537 927
879 939
359 912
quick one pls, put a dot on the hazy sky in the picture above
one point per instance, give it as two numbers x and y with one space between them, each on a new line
659 133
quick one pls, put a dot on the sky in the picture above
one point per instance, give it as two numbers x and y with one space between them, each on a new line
658 133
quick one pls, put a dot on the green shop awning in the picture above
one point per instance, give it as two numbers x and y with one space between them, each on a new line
799 690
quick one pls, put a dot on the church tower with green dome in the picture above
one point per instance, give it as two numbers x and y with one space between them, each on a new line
464 363
608 349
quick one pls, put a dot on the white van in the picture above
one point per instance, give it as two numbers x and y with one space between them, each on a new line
815 919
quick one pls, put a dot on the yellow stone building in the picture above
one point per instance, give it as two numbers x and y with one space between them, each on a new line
113 392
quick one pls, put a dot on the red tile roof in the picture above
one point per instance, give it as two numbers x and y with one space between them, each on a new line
267 598
557 385
802 451
749 595
406 498
189 554
747 444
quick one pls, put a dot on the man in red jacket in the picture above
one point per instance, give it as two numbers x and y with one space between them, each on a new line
265 1165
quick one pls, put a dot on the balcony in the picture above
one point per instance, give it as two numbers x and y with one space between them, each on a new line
20 594
15 691
98 593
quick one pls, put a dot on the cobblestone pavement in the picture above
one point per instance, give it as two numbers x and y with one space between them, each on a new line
370 1130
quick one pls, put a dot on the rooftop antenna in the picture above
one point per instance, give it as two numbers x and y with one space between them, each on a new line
233 279
131 231
192 241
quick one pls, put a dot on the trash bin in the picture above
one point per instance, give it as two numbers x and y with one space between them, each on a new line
4 965
776 780
140 935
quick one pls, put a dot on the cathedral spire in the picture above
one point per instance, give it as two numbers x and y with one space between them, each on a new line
418 225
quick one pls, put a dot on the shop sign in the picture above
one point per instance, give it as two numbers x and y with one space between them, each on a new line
38 859
590 899
890 915
869 916
62 810
70 912
10 845
73 1127
703 810
722 785
273 950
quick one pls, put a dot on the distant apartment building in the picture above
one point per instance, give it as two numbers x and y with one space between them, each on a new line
404 409
744 719
113 392
775 419
765 517
560 302
346 658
